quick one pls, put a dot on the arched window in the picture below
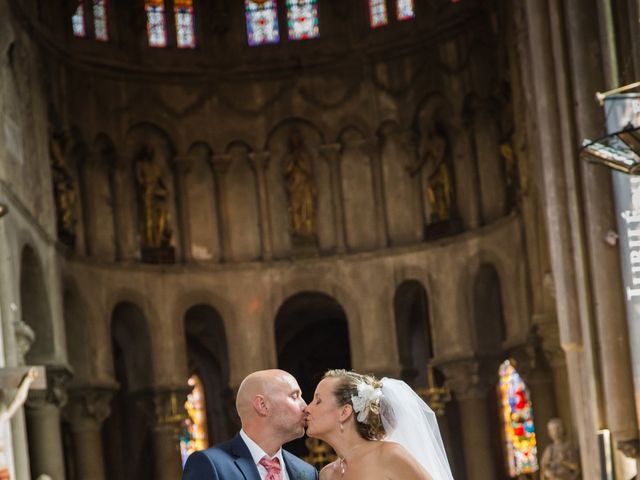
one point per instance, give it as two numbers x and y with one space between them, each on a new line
185 24
194 429
156 24
517 414
302 17
262 21
378 13
101 27
77 20
405 9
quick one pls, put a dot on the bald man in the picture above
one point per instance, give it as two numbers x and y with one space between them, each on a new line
271 409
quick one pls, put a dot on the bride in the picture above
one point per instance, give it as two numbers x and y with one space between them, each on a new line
353 413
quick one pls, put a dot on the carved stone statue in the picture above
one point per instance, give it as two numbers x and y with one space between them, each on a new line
64 191
560 460
301 191
432 151
156 231
8 410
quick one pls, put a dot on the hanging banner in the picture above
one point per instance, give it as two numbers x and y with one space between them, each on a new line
623 111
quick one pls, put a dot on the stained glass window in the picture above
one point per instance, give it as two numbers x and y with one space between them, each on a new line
156 26
302 16
378 13
194 429
100 20
262 21
405 9
517 414
77 20
185 24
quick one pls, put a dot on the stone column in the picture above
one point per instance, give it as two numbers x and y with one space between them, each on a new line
471 381
87 408
164 405
408 142
43 425
598 200
125 208
332 153
182 165
371 148
221 165
260 164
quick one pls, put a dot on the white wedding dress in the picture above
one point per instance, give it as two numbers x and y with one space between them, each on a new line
409 421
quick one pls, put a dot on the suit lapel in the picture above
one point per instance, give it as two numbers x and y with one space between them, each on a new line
243 459
290 464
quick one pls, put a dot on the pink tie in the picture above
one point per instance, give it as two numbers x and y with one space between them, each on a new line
273 468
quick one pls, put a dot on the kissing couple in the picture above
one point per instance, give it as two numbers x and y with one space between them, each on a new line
379 429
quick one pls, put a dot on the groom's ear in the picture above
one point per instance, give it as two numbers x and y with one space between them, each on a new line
260 405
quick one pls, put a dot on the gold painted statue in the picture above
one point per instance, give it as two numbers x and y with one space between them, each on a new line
560 460
439 190
155 200
301 191
64 189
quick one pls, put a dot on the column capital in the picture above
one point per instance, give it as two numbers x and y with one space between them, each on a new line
182 163
221 163
164 405
260 160
331 151
89 405
58 377
469 377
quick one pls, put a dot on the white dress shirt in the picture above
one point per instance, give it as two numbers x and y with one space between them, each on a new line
258 454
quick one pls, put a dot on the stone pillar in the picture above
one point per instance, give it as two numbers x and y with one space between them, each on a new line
408 142
182 165
332 153
43 425
221 165
125 208
471 381
260 164
165 408
598 200
372 150
548 84
85 411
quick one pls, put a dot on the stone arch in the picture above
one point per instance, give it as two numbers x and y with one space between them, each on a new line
239 207
208 357
289 139
414 332
96 187
126 432
358 193
401 188
312 336
35 307
201 204
486 137
79 333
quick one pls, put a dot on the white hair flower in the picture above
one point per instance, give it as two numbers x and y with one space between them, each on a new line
362 402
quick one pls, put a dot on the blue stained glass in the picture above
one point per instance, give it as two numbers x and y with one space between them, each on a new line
378 13
100 20
303 19
405 9
77 20
156 29
185 24
262 21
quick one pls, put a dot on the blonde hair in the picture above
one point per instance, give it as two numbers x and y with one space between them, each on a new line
347 387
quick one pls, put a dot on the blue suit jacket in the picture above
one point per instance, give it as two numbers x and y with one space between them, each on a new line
232 460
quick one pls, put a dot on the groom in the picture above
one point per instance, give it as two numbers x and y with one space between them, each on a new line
271 409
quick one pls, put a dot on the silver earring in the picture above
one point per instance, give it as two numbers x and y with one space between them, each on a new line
341 428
